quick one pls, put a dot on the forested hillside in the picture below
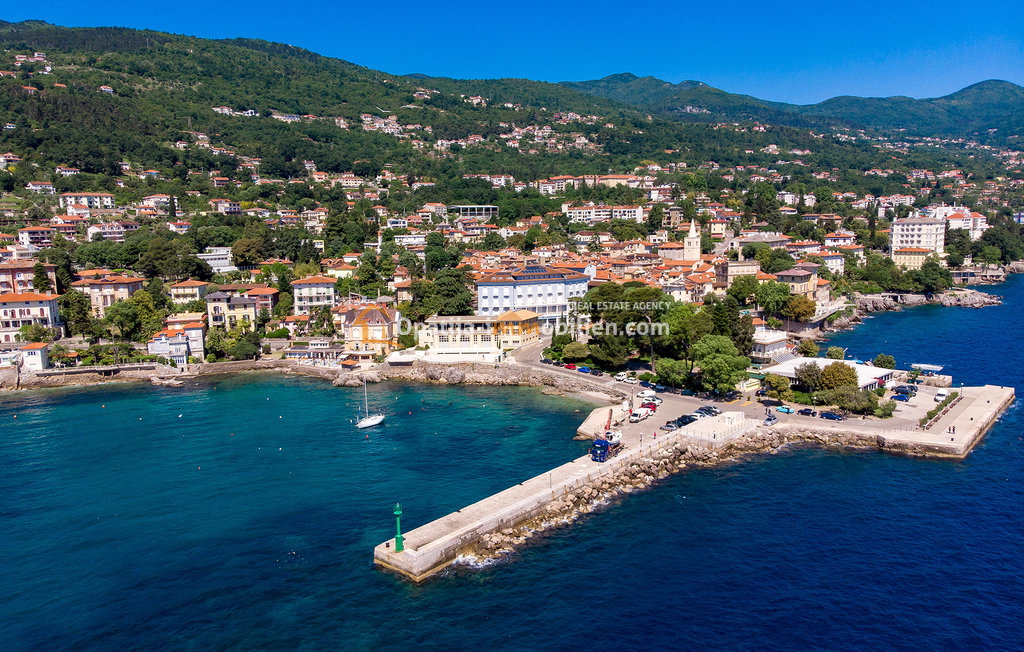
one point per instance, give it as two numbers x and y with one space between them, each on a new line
160 86
992 110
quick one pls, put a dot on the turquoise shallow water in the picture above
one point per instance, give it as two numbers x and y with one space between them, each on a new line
171 533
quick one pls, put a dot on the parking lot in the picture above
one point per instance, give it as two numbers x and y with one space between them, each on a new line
906 415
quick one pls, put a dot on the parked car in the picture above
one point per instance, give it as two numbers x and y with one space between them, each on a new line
596 372
646 383
685 420
639 414
761 392
621 376
659 388
708 410
670 425
583 370
832 416
631 380
785 409
771 420
807 412
653 407
570 366
903 398
546 361
687 392
904 390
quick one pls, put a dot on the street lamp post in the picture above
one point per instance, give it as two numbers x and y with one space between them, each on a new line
650 339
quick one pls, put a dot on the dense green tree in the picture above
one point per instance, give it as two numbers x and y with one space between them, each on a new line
321 322
725 314
35 333
838 374
611 350
778 387
243 350
671 372
721 365
492 242
799 308
687 324
122 318
933 277
75 311
743 335
41 280
884 361
246 252
368 278
848 397
743 289
808 375
575 351
835 353
451 294
772 296
808 348
284 305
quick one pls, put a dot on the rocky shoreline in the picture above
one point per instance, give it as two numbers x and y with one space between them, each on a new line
865 304
421 372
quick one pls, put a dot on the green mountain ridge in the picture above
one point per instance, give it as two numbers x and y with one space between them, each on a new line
165 85
991 104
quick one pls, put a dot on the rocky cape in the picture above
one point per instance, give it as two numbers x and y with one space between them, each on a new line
865 304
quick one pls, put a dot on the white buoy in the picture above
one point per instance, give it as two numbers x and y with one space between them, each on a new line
179 416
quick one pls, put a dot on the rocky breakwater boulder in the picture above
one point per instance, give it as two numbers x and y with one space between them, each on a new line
868 303
355 379
1016 267
483 374
969 299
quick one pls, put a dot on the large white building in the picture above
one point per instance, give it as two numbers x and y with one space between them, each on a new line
975 224
90 199
19 309
313 292
918 232
544 290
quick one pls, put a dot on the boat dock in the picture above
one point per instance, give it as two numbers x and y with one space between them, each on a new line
430 548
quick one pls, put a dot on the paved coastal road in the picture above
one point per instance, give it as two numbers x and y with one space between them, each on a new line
906 416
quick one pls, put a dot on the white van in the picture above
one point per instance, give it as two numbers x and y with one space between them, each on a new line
646 393
639 414
941 395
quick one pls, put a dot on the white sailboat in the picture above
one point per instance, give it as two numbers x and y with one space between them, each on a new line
368 419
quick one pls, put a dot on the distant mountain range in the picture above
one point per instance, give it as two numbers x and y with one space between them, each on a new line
992 104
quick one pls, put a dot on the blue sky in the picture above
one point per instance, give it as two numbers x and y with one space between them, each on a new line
792 51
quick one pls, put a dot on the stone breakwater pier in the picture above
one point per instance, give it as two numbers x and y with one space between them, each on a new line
494 525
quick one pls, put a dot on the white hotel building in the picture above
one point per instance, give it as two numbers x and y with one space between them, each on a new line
918 232
543 290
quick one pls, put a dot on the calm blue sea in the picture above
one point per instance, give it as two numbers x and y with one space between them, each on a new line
248 522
